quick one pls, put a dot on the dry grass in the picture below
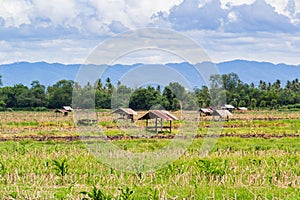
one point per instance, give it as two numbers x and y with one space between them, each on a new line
18 124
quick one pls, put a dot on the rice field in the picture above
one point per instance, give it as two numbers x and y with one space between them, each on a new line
256 157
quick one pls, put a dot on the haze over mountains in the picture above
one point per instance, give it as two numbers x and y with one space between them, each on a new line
48 74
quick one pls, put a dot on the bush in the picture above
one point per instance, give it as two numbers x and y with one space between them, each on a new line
9 110
40 109
293 106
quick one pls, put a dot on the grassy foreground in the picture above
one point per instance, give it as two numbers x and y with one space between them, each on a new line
236 168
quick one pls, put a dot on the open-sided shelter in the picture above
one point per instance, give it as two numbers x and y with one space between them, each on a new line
159 116
228 107
61 111
125 113
243 109
64 110
68 108
205 111
221 114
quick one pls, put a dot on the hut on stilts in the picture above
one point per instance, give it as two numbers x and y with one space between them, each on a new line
158 116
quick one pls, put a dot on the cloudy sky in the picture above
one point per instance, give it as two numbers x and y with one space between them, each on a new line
67 31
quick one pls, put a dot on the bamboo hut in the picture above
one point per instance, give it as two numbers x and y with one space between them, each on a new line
125 113
159 116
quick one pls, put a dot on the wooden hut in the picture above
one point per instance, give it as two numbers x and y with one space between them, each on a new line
158 116
61 111
242 109
125 113
228 107
221 115
65 110
68 108
205 111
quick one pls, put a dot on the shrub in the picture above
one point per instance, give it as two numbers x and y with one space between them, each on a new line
40 109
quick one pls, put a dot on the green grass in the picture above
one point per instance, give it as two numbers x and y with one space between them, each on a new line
235 168
273 128
24 123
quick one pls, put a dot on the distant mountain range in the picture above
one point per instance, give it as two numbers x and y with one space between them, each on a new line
48 74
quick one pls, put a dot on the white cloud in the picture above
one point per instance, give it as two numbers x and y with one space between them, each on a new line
259 16
97 17
88 17
279 5
192 15
289 8
142 11
14 12
36 30
231 15
272 47
59 12
228 3
63 51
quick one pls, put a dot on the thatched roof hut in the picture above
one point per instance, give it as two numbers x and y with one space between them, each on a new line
61 111
159 116
221 114
125 113
205 111
68 108
242 109
228 107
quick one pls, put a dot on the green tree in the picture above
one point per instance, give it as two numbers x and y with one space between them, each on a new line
274 104
38 95
7 96
60 94
242 103
277 85
230 81
109 86
84 97
98 85
144 98
217 91
2 105
262 104
203 96
177 90
121 97
22 96
167 98
253 103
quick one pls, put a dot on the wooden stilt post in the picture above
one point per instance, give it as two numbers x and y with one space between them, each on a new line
156 125
170 126
161 124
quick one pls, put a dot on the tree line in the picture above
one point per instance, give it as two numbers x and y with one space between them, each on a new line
226 88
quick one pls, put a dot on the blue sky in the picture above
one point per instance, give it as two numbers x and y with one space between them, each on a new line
67 31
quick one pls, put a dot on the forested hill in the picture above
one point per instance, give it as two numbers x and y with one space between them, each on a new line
48 74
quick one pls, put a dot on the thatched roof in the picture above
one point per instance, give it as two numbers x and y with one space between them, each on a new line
206 110
242 108
227 106
163 114
222 113
127 111
68 108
